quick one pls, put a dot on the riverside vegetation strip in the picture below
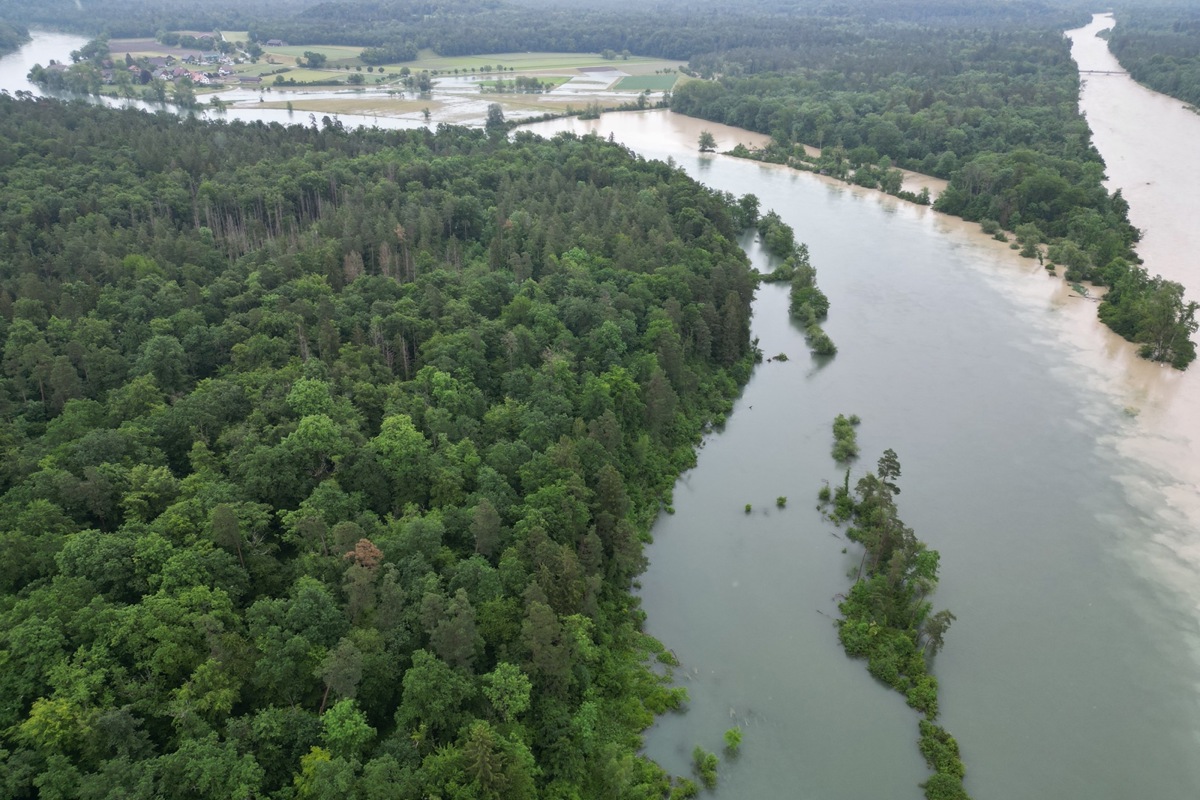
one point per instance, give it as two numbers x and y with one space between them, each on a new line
808 305
886 616
1160 46
986 100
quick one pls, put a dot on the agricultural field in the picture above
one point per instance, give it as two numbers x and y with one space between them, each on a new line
299 74
642 71
264 69
335 53
642 83
548 81
150 48
463 85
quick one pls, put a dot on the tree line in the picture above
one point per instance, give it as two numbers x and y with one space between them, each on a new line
1160 46
330 456
11 36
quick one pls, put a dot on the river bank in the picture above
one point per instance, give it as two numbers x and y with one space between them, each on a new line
1147 140
1021 424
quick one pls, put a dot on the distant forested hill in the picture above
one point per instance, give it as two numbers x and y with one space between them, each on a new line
328 456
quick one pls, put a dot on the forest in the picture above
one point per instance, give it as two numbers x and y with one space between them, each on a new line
11 36
1160 46
330 456
459 27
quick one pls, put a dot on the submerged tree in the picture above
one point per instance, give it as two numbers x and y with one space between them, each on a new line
495 119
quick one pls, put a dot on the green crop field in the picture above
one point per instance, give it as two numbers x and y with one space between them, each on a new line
144 47
262 69
640 83
330 51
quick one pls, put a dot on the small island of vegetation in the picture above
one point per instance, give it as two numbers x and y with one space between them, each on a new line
887 618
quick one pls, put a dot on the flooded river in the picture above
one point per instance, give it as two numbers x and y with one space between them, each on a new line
1056 473
1040 456
1148 141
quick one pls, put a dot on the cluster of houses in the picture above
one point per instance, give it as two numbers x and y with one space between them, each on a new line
203 68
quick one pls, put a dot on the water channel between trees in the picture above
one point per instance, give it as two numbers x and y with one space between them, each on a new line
1056 473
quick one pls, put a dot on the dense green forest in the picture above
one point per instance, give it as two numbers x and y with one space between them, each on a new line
329 456
11 36
1160 46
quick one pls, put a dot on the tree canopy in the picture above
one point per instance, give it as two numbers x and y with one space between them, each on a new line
329 456
11 36
1160 46
887 617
